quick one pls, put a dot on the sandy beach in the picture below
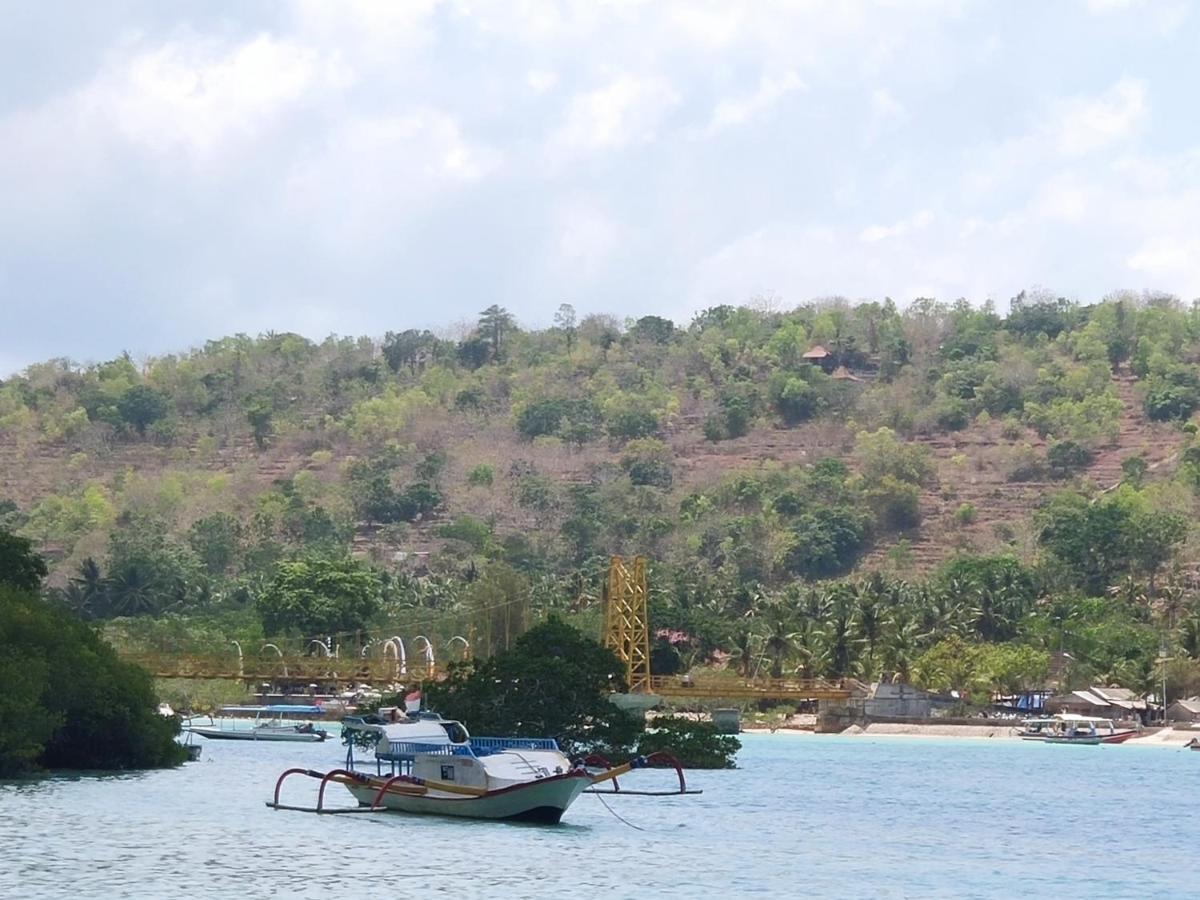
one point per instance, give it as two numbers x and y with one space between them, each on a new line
1168 738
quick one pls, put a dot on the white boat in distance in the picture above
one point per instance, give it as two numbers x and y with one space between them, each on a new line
270 724
1069 728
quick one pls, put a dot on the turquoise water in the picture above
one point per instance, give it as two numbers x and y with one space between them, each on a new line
803 816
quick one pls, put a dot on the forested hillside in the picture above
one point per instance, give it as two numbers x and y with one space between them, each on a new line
1021 483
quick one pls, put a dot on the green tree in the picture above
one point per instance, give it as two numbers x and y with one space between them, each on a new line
316 597
564 321
78 706
653 329
142 406
216 541
408 348
499 602
494 323
20 567
553 682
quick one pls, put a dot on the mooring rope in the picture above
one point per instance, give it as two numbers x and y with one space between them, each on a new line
617 815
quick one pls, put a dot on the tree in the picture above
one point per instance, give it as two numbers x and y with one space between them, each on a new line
148 571
474 352
499 599
494 323
141 406
78 706
260 414
779 645
215 540
564 321
316 597
553 682
952 665
408 348
653 329
20 567
1100 540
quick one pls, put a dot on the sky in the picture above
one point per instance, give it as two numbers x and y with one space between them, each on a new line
171 173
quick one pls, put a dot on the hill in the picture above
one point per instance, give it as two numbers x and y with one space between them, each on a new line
749 453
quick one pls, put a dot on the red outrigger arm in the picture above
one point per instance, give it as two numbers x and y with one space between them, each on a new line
638 762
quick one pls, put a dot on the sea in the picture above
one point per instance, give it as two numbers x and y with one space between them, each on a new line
801 816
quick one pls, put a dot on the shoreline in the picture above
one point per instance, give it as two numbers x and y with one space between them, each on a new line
1167 738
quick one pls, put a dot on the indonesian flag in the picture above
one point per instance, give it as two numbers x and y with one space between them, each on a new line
412 702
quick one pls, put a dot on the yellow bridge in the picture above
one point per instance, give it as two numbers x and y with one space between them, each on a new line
626 633
386 672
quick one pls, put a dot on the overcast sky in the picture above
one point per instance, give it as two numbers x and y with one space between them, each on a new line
171 172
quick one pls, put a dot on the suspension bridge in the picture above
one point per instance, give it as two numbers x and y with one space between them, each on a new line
626 633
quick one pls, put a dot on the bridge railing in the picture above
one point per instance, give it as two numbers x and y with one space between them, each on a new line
272 668
715 686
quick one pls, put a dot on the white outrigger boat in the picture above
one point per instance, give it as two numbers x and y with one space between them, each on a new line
510 778
270 724
1069 728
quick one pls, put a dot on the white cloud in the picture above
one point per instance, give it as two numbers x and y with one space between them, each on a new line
1103 7
918 221
375 172
1171 259
885 106
541 80
738 111
191 97
1087 124
626 111
585 237
194 96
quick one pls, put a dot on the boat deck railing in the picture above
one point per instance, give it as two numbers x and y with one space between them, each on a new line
478 746
485 745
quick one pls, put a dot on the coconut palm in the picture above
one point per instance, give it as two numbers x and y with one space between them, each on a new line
779 645
901 646
841 642
745 654
131 593
1189 635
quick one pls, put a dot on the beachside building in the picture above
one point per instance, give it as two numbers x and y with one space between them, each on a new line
1184 710
898 700
1100 702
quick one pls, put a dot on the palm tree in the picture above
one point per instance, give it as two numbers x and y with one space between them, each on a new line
131 593
809 642
779 645
89 582
840 640
1189 635
900 650
745 657
870 622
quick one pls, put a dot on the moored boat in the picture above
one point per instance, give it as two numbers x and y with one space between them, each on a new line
510 779
270 724
1068 728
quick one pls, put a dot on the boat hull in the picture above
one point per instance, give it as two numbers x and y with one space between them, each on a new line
219 734
542 801
1090 740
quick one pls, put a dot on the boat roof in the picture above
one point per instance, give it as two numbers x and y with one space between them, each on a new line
293 708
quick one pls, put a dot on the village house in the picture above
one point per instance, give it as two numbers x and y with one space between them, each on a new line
1184 710
819 356
1101 703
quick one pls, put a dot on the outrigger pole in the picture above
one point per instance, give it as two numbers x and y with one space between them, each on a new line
638 762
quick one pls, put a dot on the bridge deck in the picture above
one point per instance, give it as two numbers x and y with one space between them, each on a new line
381 672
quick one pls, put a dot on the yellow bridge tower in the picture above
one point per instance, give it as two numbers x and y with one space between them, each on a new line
626 624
